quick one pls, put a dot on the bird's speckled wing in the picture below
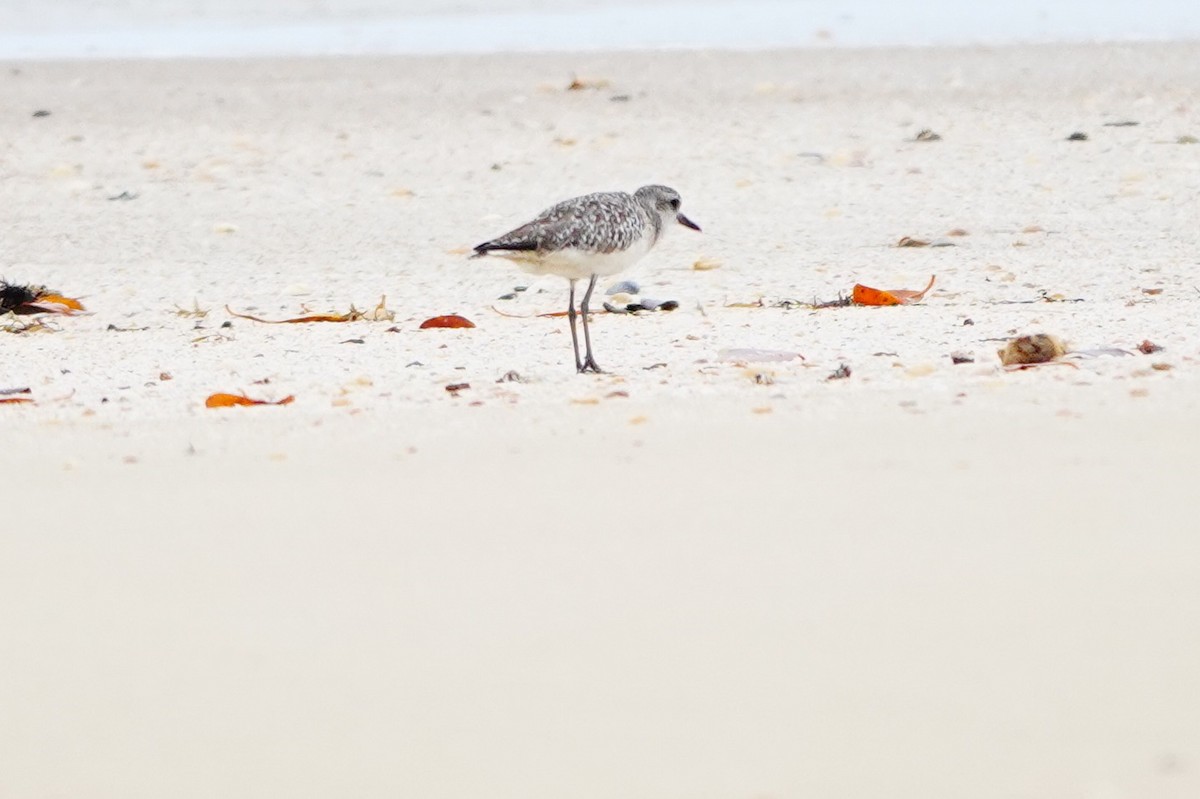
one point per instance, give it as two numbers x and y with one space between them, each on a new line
602 223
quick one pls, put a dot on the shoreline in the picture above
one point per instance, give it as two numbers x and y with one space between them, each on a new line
647 52
348 30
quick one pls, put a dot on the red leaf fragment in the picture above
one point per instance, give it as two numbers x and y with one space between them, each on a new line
450 320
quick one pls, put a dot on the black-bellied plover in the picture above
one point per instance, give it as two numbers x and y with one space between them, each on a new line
587 237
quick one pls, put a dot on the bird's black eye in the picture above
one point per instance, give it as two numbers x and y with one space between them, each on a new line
675 205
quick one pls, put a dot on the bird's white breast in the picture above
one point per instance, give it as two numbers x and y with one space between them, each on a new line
576 264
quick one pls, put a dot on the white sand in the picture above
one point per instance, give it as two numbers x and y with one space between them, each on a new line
926 580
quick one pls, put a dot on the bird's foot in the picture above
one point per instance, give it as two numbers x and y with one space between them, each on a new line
589 365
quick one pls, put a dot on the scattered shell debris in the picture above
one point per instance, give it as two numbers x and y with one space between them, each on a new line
622 299
624 287
1037 348
840 373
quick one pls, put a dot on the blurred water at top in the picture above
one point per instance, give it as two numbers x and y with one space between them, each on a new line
217 28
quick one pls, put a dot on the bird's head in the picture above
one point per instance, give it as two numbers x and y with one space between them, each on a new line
664 201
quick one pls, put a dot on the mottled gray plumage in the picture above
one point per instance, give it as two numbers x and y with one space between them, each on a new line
585 237
600 222
603 222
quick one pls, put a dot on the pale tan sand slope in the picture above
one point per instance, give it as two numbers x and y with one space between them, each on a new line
925 580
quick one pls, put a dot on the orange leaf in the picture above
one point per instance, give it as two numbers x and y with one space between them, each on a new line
68 302
452 320
865 295
14 400
229 400
35 299
52 303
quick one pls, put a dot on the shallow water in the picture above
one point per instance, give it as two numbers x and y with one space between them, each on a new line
214 29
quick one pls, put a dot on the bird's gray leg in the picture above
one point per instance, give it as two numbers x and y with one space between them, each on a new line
589 363
574 335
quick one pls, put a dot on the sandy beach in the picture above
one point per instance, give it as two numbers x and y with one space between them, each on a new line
689 577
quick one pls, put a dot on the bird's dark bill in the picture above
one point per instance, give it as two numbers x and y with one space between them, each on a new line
683 220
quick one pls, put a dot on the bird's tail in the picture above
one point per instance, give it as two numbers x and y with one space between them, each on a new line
510 246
